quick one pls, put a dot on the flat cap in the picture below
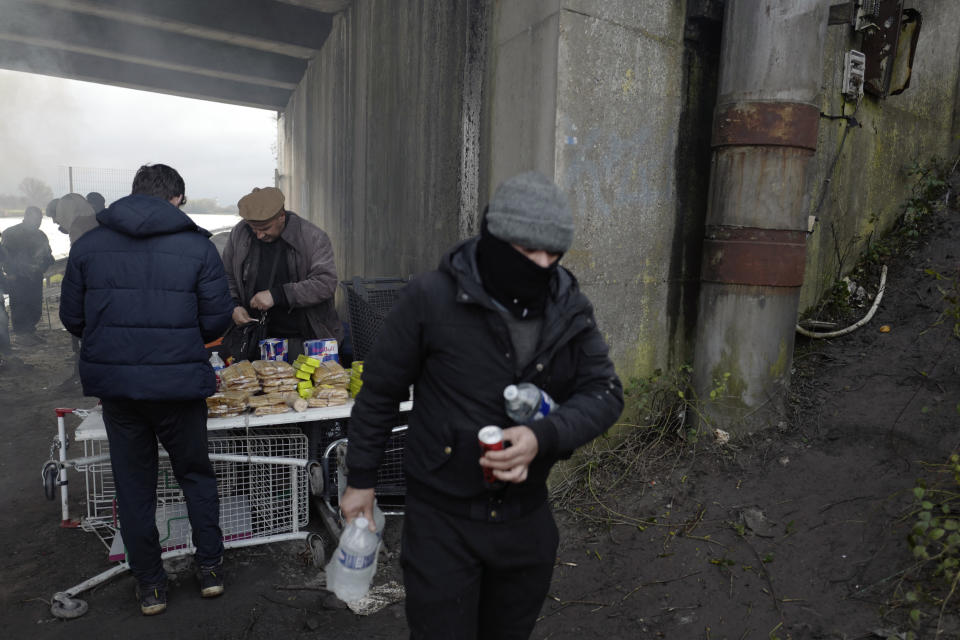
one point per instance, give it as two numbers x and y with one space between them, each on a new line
261 204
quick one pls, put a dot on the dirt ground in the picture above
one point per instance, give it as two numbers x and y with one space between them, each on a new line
793 533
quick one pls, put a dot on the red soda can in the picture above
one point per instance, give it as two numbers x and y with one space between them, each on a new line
491 439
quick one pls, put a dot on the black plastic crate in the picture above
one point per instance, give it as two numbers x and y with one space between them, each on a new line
368 302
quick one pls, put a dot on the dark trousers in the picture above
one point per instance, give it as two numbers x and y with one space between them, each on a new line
469 580
26 301
133 428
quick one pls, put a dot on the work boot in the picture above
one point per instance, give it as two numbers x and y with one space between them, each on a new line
211 580
152 598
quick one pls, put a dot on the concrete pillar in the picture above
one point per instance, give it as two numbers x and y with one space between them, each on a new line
764 134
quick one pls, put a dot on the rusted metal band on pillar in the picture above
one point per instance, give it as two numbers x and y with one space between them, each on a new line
762 257
784 124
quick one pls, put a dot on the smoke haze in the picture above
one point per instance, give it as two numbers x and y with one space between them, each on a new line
46 124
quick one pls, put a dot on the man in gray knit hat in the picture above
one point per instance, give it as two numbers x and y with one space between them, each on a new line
479 540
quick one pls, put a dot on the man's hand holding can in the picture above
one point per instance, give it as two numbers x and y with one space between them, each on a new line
508 463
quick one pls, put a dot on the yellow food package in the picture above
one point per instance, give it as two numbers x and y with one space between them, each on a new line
306 368
307 360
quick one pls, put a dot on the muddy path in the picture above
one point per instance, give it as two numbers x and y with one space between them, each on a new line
796 532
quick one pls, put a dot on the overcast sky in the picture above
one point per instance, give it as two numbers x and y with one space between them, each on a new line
222 151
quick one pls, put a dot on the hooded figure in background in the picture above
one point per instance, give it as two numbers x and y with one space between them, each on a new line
75 216
96 201
51 210
27 257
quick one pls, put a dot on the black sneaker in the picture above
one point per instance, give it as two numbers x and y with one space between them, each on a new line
211 580
152 598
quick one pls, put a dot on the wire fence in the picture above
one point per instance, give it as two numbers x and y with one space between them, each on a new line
112 184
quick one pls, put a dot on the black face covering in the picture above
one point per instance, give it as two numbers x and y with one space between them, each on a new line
514 280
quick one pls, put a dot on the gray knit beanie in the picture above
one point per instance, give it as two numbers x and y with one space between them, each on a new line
531 211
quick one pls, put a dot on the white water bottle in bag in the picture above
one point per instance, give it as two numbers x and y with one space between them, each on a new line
526 402
350 571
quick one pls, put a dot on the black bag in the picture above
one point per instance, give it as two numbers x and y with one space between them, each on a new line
243 343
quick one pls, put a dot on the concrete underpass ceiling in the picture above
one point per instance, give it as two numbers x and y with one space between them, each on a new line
246 52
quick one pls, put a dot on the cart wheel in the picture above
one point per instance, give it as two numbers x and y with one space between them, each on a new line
65 607
315 473
50 472
318 549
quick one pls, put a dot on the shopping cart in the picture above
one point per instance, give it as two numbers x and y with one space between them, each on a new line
391 485
328 452
368 302
262 481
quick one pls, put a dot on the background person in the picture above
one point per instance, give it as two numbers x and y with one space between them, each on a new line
51 209
75 216
478 558
145 290
27 257
97 201
281 264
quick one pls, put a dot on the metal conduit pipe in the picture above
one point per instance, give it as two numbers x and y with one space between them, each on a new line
764 136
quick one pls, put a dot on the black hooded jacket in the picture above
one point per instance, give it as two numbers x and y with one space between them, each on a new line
446 336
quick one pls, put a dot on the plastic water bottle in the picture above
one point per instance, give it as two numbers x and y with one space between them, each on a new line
351 569
218 364
526 402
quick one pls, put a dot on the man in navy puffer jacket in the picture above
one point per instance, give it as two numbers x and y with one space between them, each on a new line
145 290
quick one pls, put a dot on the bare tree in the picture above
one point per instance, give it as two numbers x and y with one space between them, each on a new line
36 191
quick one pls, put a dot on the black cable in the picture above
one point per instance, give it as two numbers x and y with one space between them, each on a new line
851 122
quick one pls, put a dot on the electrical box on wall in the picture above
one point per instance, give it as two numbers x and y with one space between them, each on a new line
854 64
880 38
888 43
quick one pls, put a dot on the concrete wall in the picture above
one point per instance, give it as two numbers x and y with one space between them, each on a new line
596 94
414 111
589 93
372 141
870 181
378 143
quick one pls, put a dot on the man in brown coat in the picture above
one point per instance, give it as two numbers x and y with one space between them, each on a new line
281 265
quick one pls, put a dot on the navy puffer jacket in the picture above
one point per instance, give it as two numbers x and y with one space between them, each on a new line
145 290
